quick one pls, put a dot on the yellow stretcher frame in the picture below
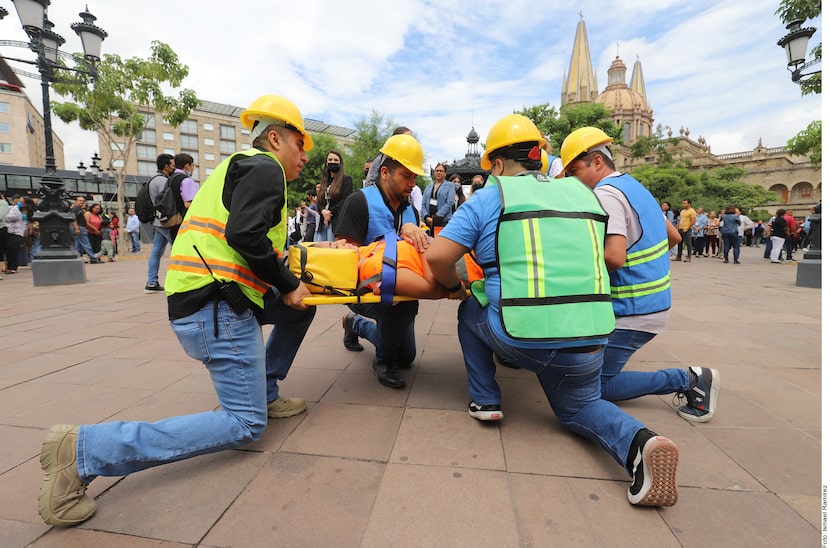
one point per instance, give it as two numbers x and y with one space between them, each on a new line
369 298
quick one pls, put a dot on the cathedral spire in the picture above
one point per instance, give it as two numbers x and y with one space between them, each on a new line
580 84
638 82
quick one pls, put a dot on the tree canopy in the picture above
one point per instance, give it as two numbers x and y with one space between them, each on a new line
112 105
807 143
571 117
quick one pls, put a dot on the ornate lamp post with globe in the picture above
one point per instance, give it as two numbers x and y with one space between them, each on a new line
57 263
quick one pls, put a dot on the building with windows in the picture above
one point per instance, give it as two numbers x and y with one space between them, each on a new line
212 133
21 126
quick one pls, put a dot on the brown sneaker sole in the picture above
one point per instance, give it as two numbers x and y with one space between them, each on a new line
661 458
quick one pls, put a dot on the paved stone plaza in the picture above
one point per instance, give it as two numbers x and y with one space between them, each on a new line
374 467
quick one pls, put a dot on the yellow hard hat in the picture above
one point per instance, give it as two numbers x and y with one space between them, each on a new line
513 128
406 150
273 108
582 140
545 162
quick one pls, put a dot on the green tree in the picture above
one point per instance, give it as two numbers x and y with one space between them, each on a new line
571 117
807 143
657 144
793 10
112 105
710 189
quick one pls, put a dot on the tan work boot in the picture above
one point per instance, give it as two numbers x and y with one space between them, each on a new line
62 499
286 407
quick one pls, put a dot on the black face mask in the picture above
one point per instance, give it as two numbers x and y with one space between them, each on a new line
334 168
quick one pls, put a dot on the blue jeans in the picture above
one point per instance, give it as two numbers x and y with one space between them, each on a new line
618 385
392 333
135 240
731 241
290 327
82 244
571 382
161 238
236 363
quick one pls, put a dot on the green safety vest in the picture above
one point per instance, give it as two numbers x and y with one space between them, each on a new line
550 258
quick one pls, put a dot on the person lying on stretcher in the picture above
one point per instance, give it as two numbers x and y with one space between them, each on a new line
414 276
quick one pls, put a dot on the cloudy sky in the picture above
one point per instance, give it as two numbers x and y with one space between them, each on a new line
441 67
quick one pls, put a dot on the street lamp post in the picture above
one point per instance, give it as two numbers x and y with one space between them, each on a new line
795 44
57 263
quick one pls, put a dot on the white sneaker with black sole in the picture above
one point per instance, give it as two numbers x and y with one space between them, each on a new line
485 412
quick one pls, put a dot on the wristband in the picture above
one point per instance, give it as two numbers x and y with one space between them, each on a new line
455 288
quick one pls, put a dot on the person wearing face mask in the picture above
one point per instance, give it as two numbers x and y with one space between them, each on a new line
335 187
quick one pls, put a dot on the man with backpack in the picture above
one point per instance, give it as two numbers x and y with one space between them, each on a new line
174 172
161 235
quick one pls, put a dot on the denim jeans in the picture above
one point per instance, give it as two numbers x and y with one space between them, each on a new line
392 333
290 327
135 240
732 241
618 385
236 363
571 382
161 238
82 244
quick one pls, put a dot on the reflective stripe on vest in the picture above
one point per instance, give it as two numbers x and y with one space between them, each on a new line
643 284
549 252
204 228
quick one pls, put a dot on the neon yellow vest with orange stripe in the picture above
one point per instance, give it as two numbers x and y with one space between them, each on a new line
204 227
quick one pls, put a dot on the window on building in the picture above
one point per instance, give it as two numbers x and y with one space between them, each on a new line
168 136
5 127
117 146
210 157
147 169
195 174
147 136
193 153
244 131
120 163
208 171
4 107
149 119
5 147
223 157
207 127
806 191
246 146
227 132
189 141
145 152
189 126
209 142
169 151
227 146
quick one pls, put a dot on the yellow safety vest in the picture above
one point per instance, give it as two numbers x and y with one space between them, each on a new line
204 227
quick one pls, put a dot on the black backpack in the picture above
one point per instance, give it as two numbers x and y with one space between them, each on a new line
144 208
169 206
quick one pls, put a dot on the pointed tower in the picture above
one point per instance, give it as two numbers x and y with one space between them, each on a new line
638 82
580 83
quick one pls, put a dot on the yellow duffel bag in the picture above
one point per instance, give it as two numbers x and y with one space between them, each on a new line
324 270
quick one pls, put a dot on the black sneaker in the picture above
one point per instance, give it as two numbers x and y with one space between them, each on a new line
702 397
153 288
485 412
350 339
652 462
